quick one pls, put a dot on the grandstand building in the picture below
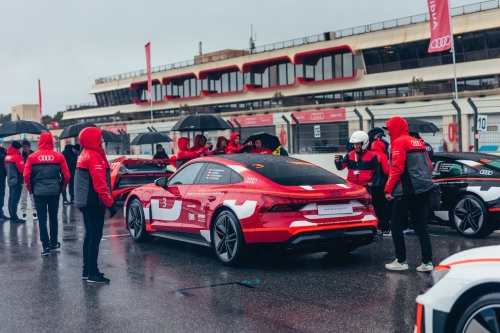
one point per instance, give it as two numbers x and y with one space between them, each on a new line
313 92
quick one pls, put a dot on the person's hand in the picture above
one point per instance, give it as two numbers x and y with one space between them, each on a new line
388 196
249 143
112 211
337 158
208 145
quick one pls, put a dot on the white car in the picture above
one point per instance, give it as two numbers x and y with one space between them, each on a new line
463 294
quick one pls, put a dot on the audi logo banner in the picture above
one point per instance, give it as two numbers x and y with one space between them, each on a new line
320 116
440 25
249 121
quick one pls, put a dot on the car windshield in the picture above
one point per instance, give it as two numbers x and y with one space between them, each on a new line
292 172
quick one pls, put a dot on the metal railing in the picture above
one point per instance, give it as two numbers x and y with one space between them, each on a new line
81 106
455 11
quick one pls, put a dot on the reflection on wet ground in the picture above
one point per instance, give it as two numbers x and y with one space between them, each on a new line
171 286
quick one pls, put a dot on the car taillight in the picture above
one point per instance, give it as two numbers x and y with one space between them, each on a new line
281 204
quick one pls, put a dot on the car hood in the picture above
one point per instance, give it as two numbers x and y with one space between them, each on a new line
480 253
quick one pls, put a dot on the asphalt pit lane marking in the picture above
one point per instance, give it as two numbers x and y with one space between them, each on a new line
245 283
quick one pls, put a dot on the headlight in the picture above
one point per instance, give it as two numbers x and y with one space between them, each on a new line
436 275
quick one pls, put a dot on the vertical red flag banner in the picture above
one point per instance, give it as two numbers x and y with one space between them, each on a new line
441 35
148 63
40 99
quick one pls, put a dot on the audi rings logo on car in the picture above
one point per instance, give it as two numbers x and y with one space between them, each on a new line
45 158
334 193
250 180
416 143
486 172
250 121
438 43
317 116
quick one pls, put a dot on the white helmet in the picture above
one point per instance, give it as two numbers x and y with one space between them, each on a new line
360 137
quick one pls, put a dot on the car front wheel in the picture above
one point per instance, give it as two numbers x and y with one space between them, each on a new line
136 223
483 315
470 217
227 239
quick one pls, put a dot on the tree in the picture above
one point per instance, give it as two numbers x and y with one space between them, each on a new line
5 118
278 97
416 84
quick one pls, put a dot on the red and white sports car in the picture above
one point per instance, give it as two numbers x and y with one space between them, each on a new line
130 173
234 202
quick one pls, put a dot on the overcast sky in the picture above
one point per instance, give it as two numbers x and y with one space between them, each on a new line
68 44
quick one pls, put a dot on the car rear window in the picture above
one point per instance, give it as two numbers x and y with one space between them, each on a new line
145 167
292 172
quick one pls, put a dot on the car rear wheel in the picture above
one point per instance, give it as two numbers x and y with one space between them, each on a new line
136 223
227 239
483 315
470 217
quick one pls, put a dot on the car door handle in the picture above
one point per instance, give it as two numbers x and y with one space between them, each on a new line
177 197
211 198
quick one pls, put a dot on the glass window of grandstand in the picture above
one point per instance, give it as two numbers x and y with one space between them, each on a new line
328 138
478 83
272 75
223 82
115 97
328 65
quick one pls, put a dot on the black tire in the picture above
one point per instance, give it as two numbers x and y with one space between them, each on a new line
483 313
136 223
227 239
470 217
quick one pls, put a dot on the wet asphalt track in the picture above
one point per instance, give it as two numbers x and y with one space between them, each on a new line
167 286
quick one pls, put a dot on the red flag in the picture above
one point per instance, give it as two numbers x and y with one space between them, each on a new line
40 99
441 35
148 63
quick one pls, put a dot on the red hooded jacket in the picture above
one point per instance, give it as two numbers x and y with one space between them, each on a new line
262 150
196 145
378 148
46 171
184 155
411 167
92 177
231 147
14 164
217 150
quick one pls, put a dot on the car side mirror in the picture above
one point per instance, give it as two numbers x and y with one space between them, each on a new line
162 182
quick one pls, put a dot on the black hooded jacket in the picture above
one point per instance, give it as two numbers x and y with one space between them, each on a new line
70 158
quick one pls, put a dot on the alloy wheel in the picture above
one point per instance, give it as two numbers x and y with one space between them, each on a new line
225 238
134 220
468 216
486 319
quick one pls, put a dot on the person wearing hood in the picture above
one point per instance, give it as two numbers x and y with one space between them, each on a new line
3 176
25 152
409 184
376 134
46 175
92 197
220 146
380 204
14 164
70 154
200 141
259 149
234 144
184 155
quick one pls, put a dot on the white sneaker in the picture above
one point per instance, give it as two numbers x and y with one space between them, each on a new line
24 217
35 217
425 267
387 233
409 231
396 266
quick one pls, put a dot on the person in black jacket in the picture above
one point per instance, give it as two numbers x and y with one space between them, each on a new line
3 176
70 154
14 164
160 152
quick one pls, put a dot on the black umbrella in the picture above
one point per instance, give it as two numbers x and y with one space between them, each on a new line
150 138
20 127
201 122
73 130
269 141
110 136
421 126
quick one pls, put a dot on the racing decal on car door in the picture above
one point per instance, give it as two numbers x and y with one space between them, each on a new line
490 194
160 211
242 211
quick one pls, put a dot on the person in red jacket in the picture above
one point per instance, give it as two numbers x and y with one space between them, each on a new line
200 141
14 164
220 146
362 164
46 175
184 155
93 196
234 144
409 184
380 204
259 149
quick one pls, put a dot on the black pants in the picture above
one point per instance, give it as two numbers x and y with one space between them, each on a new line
50 204
415 204
71 187
93 217
381 206
14 196
2 193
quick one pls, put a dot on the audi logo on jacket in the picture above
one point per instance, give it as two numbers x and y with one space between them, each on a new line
14 164
362 168
411 167
92 176
46 171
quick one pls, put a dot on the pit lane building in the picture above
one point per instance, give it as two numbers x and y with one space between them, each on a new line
313 92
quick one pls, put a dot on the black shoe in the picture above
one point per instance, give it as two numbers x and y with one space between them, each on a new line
98 278
5 218
55 246
72 202
85 275
46 251
17 220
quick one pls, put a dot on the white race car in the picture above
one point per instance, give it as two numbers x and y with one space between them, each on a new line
463 294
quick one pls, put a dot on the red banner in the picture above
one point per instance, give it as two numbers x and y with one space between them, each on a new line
115 129
441 35
148 63
320 116
250 121
40 99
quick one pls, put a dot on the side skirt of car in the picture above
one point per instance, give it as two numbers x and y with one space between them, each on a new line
183 237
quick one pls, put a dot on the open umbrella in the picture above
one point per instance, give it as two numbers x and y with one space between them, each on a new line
150 138
110 136
73 130
20 127
421 126
201 122
269 141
